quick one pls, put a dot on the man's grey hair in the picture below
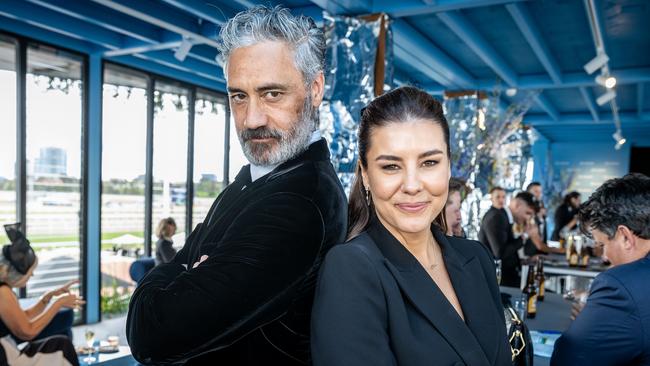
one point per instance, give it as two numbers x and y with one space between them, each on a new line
260 24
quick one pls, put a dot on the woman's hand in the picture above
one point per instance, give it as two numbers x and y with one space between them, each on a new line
65 289
70 301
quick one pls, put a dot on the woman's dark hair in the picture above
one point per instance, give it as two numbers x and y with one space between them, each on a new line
620 201
400 105
460 186
569 196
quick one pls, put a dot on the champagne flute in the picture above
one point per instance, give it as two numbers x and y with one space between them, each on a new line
90 343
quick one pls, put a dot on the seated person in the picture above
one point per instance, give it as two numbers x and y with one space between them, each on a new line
457 192
614 326
17 264
165 245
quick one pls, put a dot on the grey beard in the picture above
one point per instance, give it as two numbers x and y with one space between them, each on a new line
289 144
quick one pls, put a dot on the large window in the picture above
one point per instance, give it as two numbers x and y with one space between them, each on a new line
54 152
209 139
8 135
237 158
170 158
124 131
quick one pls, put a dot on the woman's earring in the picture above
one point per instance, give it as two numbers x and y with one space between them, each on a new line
368 196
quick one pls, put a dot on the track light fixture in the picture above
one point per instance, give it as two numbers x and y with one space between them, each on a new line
596 63
183 49
603 99
606 81
620 140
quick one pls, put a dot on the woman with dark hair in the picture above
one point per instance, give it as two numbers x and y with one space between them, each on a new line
458 190
17 264
165 251
566 217
400 292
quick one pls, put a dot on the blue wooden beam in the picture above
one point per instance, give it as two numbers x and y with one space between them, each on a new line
43 35
106 18
529 29
94 185
189 64
405 8
589 101
171 71
639 98
585 119
547 106
173 21
210 11
342 7
56 22
414 48
477 43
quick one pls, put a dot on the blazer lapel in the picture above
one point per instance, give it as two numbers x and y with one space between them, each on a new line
480 313
426 297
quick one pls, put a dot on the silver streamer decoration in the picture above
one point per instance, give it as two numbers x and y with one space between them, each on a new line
349 85
489 147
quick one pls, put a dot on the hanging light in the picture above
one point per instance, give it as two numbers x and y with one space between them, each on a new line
596 63
606 81
603 99
620 140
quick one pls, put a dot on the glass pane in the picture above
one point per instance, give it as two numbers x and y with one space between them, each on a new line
124 135
170 158
54 150
237 158
209 120
8 135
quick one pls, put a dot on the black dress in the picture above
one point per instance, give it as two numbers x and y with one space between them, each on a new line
43 352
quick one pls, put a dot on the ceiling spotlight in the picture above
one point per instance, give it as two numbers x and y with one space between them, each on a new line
603 99
620 140
183 49
511 92
596 63
606 81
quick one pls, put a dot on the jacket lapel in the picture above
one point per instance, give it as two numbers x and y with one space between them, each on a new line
466 276
426 297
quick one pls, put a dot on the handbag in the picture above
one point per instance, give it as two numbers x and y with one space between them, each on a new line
521 344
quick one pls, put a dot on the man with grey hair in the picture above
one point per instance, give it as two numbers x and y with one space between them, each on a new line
240 292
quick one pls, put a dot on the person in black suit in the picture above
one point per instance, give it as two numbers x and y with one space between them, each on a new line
400 292
613 328
240 291
498 234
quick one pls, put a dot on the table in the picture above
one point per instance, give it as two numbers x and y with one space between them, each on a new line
556 264
121 358
554 314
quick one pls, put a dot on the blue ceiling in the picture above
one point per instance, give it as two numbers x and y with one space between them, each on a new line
439 45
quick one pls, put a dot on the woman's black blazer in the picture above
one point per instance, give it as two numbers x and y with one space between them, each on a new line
376 305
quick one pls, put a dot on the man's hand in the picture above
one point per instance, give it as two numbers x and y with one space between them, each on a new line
201 260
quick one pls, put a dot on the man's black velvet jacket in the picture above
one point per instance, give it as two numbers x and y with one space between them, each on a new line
250 302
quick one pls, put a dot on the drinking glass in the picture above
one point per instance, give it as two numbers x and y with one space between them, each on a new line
90 343
497 265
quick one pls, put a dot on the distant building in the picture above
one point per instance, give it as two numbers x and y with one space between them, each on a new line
52 162
209 178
